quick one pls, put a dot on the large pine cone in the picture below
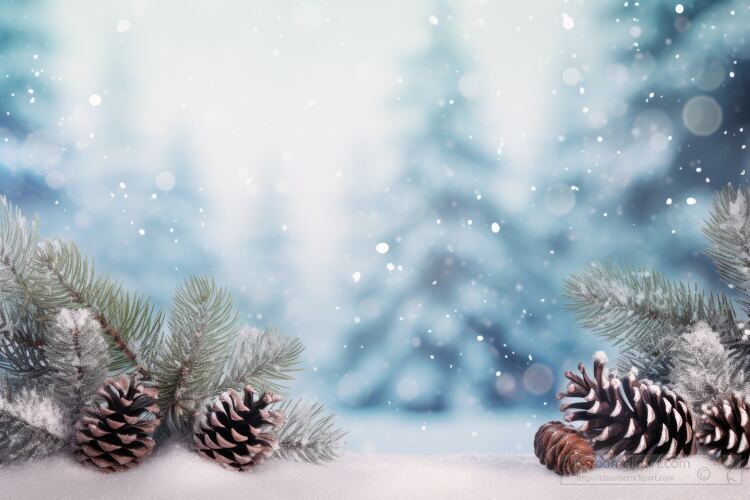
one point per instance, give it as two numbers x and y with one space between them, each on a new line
725 432
235 431
635 421
562 449
116 432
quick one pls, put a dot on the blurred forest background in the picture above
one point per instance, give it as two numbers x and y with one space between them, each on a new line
403 185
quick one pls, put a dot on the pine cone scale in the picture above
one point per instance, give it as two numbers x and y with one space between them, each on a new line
236 436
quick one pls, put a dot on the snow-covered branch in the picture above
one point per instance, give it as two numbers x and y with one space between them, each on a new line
310 434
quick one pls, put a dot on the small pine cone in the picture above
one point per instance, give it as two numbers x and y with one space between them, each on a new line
725 432
116 432
562 449
636 421
236 432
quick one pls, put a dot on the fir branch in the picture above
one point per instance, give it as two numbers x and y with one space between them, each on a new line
130 324
134 326
21 347
78 359
18 243
310 434
190 368
728 228
702 371
652 356
644 313
31 426
262 359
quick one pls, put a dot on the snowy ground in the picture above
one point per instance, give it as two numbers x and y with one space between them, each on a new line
178 473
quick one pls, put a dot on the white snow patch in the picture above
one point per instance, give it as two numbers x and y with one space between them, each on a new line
738 212
36 410
700 374
600 356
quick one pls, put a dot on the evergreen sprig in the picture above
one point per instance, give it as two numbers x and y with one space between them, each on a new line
644 313
728 228
310 434
41 278
18 244
263 359
667 328
189 371
64 328
702 367
129 322
78 359
31 426
21 347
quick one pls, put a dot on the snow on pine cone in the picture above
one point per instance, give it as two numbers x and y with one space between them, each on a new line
634 421
238 432
116 431
563 449
725 430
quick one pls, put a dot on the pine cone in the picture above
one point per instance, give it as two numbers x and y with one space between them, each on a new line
562 449
116 432
726 430
634 420
235 432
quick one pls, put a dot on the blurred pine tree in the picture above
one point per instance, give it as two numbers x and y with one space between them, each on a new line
666 98
439 319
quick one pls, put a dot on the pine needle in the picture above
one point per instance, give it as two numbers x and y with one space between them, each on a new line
728 228
77 357
22 355
262 359
131 326
644 313
310 434
18 244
